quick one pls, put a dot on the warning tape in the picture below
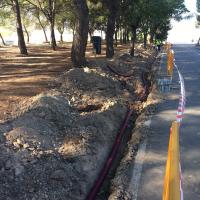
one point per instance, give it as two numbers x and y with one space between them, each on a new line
182 100
179 115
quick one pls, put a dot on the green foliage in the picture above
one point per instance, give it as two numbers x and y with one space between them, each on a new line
97 16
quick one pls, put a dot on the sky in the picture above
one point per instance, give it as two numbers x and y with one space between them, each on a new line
185 30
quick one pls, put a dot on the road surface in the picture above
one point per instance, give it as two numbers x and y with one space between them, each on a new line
151 182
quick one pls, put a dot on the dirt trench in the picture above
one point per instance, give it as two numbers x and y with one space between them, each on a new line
60 139
117 182
121 185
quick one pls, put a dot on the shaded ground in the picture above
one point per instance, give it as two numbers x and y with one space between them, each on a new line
22 77
25 76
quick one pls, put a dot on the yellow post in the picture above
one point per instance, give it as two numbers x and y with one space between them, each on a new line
170 62
171 190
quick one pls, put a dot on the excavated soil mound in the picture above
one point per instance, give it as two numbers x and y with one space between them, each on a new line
90 87
50 151
134 71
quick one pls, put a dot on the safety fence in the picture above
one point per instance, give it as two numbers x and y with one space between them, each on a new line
173 179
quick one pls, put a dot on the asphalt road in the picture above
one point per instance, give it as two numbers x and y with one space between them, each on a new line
151 182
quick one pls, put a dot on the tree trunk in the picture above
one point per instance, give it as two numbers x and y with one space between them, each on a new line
81 33
53 39
73 30
45 35
134 35
127 36
51 18
43 29
27 34
145 39
61 37
90 33
21 42
124 36
121 40
3 42
116 40
101 33
151 38
110 30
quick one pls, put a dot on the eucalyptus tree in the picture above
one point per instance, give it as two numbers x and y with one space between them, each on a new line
97 17
111 11
4 21
14 5
27 22
149 17
41 22
37 18
61 28
49 8
133 17
66 18
166 10
70 20
112 7
21 41
60 24
146 9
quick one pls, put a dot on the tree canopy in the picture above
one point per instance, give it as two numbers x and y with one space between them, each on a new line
119 19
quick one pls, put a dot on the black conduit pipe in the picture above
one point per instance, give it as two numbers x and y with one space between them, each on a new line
118 73
102 176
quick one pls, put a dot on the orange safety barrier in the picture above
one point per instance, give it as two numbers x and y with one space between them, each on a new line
170 62
172 181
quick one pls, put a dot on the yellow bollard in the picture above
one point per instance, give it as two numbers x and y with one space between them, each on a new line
170 62
171 190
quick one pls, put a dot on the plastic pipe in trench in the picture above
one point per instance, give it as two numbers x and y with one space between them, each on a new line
102 176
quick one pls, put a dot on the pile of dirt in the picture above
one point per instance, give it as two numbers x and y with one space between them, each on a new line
91 86
135 71
57 142
59 150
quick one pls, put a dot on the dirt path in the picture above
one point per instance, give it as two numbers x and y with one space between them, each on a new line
22 77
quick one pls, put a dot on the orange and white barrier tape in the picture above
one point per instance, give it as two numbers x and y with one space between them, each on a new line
182 100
